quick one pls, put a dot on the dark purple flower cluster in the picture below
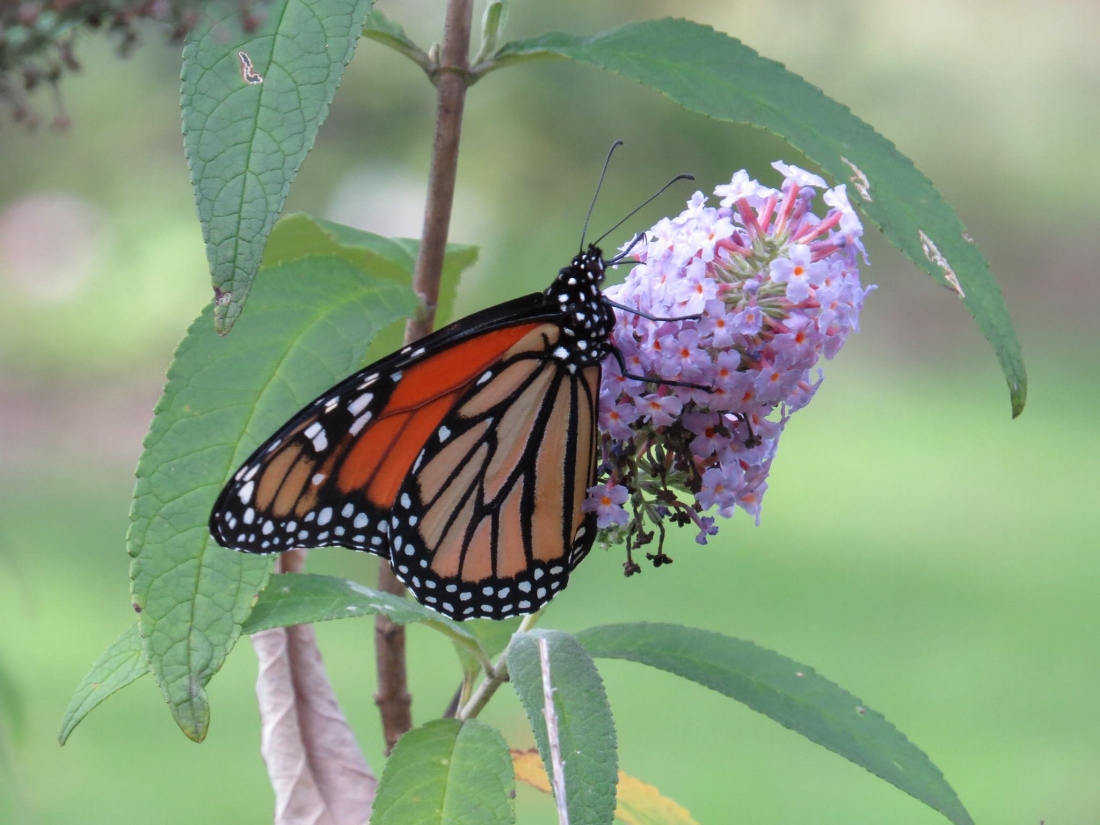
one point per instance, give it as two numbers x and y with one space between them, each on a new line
770 288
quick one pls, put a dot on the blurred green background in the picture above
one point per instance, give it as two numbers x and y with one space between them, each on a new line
917 546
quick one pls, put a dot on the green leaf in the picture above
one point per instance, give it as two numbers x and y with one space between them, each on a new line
493 21
245 141
492 637
122 663
716 75
391 258
447 773
305 598
788 692
310 324
390 33
586 730
493 634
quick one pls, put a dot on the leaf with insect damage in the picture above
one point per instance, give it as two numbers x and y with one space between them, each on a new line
252 104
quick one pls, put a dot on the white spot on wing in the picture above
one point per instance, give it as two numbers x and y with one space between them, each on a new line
246 492
359 404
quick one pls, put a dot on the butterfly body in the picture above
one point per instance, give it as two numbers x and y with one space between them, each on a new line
463 458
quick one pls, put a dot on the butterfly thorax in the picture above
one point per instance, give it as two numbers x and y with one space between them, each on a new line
587 319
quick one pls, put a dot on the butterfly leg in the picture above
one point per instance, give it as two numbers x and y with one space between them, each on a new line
650 379
649 317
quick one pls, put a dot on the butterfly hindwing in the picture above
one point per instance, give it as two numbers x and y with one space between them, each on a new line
489 523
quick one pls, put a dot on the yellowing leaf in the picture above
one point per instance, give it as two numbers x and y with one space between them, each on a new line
637 802
528 767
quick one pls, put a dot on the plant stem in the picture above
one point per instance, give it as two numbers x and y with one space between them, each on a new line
393 699
451 86
496 677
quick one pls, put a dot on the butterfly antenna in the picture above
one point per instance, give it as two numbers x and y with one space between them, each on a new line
618 259
684 176
592 206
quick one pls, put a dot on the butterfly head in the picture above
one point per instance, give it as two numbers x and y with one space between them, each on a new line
587 267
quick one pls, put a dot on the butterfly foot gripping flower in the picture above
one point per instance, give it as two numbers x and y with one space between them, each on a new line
767 288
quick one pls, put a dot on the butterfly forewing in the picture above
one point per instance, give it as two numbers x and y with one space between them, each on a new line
330 474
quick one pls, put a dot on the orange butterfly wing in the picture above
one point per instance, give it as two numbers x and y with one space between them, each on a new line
489 521
330 474
464 458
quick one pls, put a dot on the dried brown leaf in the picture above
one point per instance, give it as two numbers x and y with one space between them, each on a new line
316 768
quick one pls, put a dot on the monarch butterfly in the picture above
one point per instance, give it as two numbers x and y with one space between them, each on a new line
463 459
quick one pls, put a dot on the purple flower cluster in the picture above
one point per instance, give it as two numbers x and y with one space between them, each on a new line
766 288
